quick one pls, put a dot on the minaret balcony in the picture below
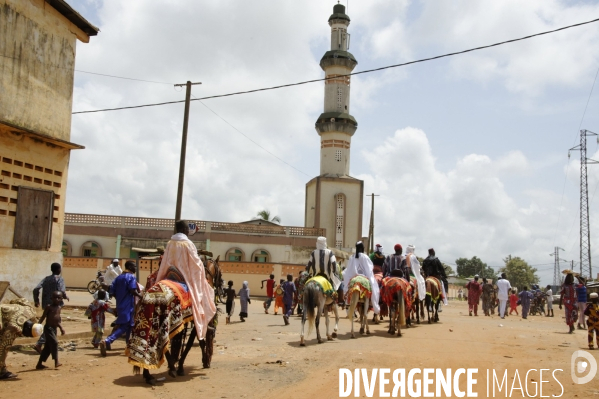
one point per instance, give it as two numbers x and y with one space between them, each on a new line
338 57
336 122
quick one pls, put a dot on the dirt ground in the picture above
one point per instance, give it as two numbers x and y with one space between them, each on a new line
244 363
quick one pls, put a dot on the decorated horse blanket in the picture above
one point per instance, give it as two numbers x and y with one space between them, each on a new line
391 286
361 285
324 286
439 285
161 314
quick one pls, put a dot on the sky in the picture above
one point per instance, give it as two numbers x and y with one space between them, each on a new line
469 154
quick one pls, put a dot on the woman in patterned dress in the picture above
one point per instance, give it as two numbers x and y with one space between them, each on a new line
569 298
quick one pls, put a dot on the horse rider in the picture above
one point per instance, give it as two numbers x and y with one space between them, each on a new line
361 264
323 263
396 261
378 259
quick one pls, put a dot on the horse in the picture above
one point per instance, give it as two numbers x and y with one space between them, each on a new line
417 308
433 297
318 293
396 295
359 291
378 277
178 351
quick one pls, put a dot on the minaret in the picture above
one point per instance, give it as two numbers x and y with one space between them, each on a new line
334 199
335 125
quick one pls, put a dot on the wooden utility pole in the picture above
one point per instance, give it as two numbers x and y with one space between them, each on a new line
371 228
183 148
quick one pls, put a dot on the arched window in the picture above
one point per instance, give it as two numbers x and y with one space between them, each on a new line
261 256
234 255
91 249
66 248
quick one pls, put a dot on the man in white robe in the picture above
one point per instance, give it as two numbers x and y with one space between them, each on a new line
362 265
323 262
414 264
112 271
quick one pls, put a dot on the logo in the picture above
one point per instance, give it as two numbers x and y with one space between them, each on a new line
193 228
578 366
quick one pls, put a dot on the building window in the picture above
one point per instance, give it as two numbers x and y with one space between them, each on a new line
261 256
66 248
33 224
338 155
339 219
339 98
234 255
91 249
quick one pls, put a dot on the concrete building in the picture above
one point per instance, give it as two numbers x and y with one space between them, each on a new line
248 251
37 62
334 200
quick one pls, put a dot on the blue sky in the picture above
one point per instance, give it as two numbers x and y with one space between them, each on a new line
469 153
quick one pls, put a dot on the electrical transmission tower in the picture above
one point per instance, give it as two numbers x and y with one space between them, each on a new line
556 271
586 269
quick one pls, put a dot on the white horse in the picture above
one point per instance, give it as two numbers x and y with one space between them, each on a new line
315 298
359 291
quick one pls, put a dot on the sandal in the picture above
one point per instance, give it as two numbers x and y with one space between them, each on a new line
7 375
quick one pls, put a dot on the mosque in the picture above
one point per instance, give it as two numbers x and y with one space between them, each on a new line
253 249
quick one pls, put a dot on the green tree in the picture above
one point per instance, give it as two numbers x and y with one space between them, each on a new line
448 270
471 267
519 273
265 215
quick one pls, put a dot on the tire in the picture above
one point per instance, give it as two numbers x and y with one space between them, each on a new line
222 298
93 287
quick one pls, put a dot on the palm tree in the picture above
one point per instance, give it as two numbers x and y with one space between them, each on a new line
265 215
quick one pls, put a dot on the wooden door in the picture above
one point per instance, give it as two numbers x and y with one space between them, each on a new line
33 222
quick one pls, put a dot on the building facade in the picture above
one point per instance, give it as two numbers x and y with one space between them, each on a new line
37 42
334 199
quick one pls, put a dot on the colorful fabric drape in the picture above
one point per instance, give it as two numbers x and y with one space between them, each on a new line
391 285
439 294
324 285
159 317
361 285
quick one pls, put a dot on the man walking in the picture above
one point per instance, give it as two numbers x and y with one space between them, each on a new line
270 285
503 289
474 291
581 293
124 289
487 297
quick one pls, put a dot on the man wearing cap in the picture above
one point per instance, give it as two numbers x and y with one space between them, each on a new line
17 319
112 271
360 264
433 267
396 261
592 311
474 291
503 291
377 258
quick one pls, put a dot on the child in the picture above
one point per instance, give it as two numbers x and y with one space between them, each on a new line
270 284
96 312
514 302
525 297
279 296
53 321
592 311
230 306
244 299
288 291
549 295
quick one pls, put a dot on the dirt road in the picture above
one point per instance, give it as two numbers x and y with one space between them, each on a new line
245 356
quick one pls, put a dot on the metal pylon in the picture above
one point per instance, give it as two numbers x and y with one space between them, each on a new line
586 269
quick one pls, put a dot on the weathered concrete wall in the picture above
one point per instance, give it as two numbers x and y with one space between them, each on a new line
26 162
25 269
37 69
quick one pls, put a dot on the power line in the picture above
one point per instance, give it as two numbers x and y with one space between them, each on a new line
349 74
250 139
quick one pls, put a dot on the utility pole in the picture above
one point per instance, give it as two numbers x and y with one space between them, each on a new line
556 271
183 147
371 228
586 269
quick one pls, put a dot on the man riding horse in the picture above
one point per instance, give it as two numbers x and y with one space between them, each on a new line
181 294
433 267
323 263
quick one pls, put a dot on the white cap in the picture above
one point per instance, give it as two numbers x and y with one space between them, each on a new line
115 260
594 295
37 330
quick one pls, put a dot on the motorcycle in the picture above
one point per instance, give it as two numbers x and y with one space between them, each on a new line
94 285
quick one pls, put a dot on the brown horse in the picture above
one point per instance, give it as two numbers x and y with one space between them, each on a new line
433 298
396 294
417 309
